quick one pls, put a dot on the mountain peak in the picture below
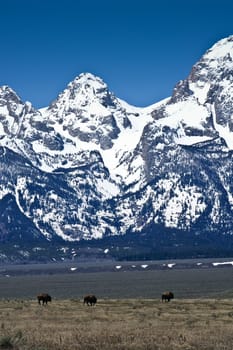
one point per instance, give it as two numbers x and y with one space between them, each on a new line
86 76
82 92
87 84
9 94
221 49
215 65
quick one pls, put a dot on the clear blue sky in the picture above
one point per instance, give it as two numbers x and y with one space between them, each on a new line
141 49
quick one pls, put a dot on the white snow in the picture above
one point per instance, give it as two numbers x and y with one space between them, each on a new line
73 268
220 49
222 263
107 188
97 109
144 266
171 265
127 141
192 140
201 90
188 112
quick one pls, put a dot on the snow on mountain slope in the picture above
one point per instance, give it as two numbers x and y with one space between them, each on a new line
89 117
189 138
91 165
201 106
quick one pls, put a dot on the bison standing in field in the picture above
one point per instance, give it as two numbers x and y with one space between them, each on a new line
90 300
44 297
167 296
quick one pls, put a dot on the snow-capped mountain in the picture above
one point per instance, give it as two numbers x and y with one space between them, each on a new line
92 166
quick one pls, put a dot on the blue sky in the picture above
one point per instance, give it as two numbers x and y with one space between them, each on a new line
141 49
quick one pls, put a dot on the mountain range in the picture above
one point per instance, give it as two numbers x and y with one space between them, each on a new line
91 175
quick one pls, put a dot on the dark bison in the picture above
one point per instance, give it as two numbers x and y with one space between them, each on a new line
90 300
44 297
167 296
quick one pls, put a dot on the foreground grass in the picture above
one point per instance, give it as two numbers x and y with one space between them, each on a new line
137 324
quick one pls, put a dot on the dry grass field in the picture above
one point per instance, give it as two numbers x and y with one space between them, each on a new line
137 324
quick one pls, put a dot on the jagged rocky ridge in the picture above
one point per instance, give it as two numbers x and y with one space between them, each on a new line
92 166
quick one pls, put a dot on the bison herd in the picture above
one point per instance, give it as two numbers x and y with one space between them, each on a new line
92 300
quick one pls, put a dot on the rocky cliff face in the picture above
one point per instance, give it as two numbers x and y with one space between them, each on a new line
92 166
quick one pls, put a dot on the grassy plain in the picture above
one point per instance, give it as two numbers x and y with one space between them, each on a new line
124 324
129 314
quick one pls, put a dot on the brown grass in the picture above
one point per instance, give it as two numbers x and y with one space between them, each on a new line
137 324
